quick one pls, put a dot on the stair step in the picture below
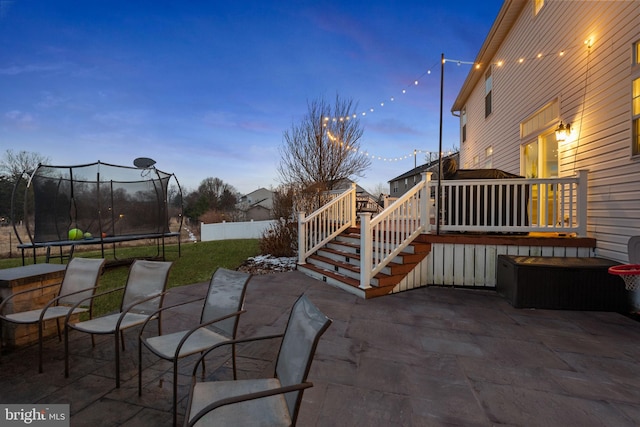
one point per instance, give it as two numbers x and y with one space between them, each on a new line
338 263
346 283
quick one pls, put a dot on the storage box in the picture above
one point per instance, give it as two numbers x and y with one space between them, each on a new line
562 283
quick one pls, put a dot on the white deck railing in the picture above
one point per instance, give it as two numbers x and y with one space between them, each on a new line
514 205
327 222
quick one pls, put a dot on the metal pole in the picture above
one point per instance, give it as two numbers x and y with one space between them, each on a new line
438 214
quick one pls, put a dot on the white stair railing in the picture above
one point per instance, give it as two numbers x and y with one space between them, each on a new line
325 223
388 233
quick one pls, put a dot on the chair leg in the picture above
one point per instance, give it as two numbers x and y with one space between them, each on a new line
233 361
140 366
175 392
66 350
117 348
58 327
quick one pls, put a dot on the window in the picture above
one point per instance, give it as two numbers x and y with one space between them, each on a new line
463 123
488 157
476 160
537 5
488 88
635 100
635 111
406 183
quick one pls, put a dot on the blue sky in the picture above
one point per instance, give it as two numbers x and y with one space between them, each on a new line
207 88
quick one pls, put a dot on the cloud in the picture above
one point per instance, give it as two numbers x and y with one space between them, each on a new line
20 119
15 70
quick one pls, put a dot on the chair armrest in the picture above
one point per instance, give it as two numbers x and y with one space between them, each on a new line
168 307
132 305
26 291
79 303
244 397
202 325
55 300
231 342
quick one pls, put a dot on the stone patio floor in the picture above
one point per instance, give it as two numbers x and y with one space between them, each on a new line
429 357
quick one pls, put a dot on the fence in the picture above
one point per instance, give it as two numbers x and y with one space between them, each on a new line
234 230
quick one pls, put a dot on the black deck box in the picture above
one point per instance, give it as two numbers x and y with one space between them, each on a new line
563 283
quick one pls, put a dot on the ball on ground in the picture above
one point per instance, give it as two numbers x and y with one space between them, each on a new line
88 235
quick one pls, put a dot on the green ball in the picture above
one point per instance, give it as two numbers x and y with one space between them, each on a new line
88 235
75 234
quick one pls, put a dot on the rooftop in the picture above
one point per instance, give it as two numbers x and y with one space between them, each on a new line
428 357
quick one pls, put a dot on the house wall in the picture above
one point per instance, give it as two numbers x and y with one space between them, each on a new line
593 89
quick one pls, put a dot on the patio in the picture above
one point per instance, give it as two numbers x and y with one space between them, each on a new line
428 357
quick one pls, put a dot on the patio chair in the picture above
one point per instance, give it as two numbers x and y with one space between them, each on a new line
143 295
267 402
218 323
80 280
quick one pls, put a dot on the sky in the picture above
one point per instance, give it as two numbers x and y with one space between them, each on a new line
208 88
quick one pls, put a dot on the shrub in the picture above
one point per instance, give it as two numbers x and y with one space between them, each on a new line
280 239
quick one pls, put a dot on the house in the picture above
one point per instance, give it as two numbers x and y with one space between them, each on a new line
257 205
570 67
402 183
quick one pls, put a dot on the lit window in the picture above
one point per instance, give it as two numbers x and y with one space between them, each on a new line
635 111
488 157
463 123
537 5
636 51
476 160
488 88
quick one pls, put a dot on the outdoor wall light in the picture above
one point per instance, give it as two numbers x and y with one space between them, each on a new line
563 132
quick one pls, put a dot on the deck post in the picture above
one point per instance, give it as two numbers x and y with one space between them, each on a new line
583 176
353 214
366 250
425 211
302 238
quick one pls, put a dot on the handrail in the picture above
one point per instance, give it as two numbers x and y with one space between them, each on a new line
325 223
392 230
515 205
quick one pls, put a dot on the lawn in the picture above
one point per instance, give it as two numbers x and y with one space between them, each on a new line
197 263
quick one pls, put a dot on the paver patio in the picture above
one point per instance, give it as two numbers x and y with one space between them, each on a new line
428 357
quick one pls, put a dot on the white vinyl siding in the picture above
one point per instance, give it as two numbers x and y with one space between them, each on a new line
593 89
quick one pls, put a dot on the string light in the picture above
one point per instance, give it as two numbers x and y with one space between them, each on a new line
476 65
373 156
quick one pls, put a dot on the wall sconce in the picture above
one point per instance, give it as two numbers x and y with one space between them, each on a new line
563 132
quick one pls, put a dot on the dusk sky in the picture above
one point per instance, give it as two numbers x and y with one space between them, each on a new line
207 88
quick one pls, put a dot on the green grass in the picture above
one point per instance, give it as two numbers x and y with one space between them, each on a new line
197 263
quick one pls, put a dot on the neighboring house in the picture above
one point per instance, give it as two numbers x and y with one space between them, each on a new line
547 65
402 183
257 205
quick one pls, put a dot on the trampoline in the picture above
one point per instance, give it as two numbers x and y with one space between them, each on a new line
108 203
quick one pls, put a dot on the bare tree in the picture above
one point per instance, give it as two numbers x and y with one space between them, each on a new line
324 147
218 193
12 165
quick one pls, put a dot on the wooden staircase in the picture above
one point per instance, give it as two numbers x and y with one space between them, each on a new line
338 263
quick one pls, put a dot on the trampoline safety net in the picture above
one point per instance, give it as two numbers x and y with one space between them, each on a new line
101 199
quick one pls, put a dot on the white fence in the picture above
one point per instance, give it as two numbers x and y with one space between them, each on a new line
234 230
